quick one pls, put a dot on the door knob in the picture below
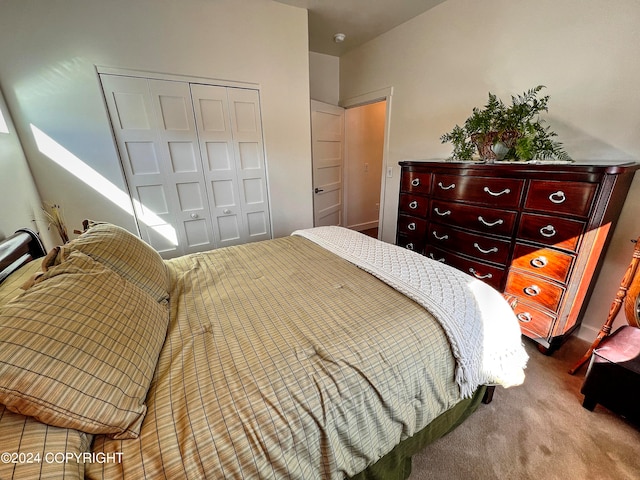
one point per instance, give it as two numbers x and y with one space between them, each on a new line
318 190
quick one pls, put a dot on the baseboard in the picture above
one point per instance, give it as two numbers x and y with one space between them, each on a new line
363 226
587 333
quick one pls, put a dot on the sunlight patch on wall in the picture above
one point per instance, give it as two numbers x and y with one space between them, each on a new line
67 160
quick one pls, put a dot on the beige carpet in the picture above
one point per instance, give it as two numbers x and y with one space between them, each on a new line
537 430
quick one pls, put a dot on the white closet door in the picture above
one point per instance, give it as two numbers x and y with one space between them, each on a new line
184 175
246 125
154 127
229 128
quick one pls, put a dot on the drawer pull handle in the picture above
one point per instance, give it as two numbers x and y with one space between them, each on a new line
443 237
481 250
548 231
524 317
433 257
497 194
557 197
412 226
448 187
479 276
490 224
442 214
539 262
532 290
415 182
409 246
413 205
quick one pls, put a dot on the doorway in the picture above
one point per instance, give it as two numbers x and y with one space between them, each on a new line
353 176
364 159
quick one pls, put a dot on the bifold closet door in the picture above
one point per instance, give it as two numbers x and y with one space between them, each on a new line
155 130
193 158
229 128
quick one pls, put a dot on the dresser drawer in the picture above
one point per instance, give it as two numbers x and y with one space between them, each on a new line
414 182
412 226
411 242
414 205
481 247
573 198
480 219
489 274
546 229
533 322
497 192
534 289
543 261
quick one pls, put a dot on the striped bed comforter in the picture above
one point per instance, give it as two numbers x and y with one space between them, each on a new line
283 360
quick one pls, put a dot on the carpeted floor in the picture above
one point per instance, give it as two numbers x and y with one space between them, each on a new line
537 430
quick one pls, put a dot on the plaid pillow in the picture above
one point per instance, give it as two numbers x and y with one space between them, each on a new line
78 349
37 450
125 254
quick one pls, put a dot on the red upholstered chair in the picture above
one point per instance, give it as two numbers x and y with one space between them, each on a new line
613 376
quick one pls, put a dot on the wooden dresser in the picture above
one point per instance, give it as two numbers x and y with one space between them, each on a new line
535 232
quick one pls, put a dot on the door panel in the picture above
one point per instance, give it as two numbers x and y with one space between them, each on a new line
194 160
142 158
184 178
135 126
244 109
228 229
183 158
153 200
197 233
231 144
133 110
216 147
327 139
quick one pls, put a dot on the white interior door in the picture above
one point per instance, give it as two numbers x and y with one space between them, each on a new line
184 176
327 145
230 132
154 126
246 126
193 157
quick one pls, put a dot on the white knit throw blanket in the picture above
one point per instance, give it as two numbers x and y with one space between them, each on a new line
483 331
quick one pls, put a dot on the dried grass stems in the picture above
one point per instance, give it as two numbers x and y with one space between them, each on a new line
55 217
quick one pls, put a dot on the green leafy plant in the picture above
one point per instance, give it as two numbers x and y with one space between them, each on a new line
507 132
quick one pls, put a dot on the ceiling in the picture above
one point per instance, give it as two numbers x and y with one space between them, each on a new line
359 20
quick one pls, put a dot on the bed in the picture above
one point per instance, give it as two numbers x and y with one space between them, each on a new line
324 354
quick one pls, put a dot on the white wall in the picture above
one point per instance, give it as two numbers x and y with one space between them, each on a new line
49 51
324 78
443 63
20 200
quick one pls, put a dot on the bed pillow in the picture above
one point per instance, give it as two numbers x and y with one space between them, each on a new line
33 449
125 254
79 348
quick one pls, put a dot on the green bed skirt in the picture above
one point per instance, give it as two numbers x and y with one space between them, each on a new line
396 465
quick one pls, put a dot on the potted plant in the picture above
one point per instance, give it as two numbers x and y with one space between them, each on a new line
507 132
